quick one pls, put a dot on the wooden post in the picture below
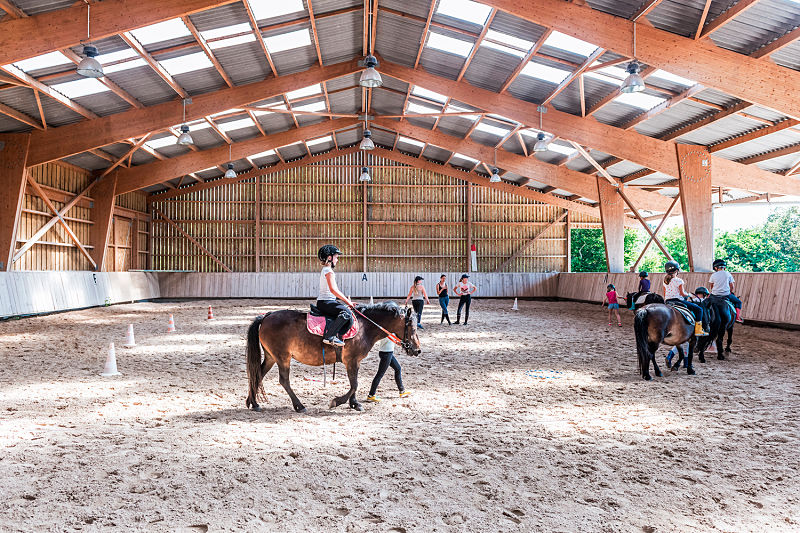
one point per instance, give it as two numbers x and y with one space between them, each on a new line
102 216
694 164
364 223
257 246
569 238
612 215
13 156
468 217
135 243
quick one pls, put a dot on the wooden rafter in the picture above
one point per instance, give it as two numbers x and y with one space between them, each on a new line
646 8
663 106
574 74
131 41
724 18
525 60
424 35
702 22
128 154
778 44
207 49
476 45
314 33
754 134
22 117
45 89
259 37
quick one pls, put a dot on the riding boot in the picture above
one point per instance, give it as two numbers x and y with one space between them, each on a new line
458 318
698 329
739 316
447 317
333 331
466 318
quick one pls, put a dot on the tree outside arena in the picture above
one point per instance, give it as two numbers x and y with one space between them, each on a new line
773 246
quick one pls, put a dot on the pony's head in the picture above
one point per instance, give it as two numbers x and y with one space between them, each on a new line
402 323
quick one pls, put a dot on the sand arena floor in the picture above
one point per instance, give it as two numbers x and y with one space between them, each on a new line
534 420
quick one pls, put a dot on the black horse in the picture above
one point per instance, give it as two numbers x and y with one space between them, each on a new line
721 319
650 298
659 323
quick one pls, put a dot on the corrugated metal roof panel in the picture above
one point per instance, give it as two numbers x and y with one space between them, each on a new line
327 6
717 97
615 113
102 104
569 100
766 114
295 60
87 161
456 126
200 81
422 122
220 17
275 122
763 22
788 56
485 138
35 7
436 154
680 114
394 83
340 37
243 63
144 84
531 89
348 137
490 68
620 8
516 27
10 125
719 130
418 8
383 102
381 137
322 147
293 151
441 63
779 164
762 145
173 150
398 39
349 101
22 99
285 18
680 17
243 134
307 120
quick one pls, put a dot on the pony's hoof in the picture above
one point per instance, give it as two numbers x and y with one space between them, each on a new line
357 407
721 357
300 408
256 408
674 367
332 404
727 350
659 375
648 377
690 371
702 359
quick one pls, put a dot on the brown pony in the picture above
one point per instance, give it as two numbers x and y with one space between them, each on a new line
659 323
284 336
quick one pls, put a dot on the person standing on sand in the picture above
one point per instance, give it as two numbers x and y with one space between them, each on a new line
444 298
464 289
418 297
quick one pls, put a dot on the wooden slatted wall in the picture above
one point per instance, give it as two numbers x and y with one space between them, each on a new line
415 220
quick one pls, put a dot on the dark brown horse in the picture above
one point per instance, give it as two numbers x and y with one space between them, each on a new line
284 336
659 323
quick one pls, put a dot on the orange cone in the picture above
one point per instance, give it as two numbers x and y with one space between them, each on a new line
129 340
210 313
170 324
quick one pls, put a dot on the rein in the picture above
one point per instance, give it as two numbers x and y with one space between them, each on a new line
392 337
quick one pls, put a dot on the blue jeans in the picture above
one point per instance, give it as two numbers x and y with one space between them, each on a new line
444 301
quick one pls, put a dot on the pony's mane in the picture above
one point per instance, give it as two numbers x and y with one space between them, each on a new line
389 308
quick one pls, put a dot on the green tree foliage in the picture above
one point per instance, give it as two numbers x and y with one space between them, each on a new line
771 247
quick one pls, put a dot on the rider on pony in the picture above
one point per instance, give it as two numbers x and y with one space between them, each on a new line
722 285
331 302
644 288
675 293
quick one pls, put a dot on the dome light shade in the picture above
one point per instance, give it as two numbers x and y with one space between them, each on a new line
364 175
369 76
230 173
366 142
184 139
89 67
634 82
541 145
495 176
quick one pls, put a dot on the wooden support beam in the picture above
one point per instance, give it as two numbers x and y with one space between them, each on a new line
702 22
32 82
574 74
32 36
755 134
102 216
778 44
525 60
422 39
21 117
13 154
663 106
531 242
612 215
190 238
257 229
131 41
568 251
57 143
207 49
696 168
787 150
724 18
655 233
468 226
643 222
755 81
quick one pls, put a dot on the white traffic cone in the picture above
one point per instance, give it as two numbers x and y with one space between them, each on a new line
129 341
210 313
170 325
371 300
111 363
514 307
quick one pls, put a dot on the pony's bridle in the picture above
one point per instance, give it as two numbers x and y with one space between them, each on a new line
406 344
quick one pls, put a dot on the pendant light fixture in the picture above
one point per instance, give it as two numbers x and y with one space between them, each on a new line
370 77
634 83
495 178
184 139
364 174
542 143
366 142
89 67
230 173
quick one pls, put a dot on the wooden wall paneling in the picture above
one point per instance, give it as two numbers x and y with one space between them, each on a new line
695 189
13 159
612 215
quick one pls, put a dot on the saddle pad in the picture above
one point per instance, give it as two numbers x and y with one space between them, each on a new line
316 326
688 315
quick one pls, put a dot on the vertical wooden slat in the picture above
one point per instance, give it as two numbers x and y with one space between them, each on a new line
13 156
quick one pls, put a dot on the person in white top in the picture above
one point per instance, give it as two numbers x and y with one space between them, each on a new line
418 297
330 301
464 290
387 359
722 284
674 291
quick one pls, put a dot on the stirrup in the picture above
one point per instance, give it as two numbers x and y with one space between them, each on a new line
334 341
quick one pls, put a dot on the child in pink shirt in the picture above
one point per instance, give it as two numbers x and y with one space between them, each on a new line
612 299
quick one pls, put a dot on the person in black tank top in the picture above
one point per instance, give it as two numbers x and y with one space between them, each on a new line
444 298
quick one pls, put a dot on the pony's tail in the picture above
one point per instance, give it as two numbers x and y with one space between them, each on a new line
253 360
642 348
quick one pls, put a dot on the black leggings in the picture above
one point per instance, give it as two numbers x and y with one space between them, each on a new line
462 300
696 310
418 305
387 359
337 310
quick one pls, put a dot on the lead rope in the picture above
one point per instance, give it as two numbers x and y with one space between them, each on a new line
392 336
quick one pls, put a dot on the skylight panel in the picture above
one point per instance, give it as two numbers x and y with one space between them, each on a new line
78 88
561 149
227 112
266 9
430 95
155 144
570 44
640 100
544 72
187 63
456 109
508 40
316 106
321 140
288 41
263 154
163 31
226 30
534 133
127 65
412 142
449 44
267 109
462 156
673 78
127 53
503 48
232 41
493 130
52 59
305 91
236 124
465 10
414 107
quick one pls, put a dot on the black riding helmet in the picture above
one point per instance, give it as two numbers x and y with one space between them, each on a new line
719 263
643 274
701 290
327 251
671 266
